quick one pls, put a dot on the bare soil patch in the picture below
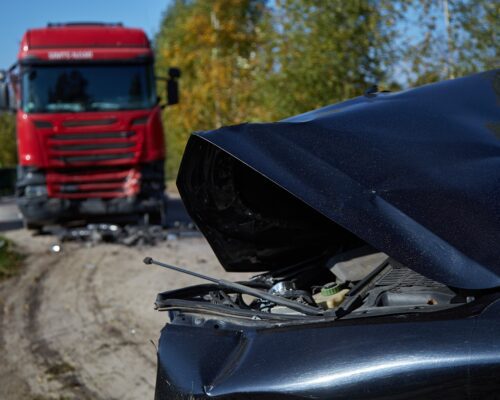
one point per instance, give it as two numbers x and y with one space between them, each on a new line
80 324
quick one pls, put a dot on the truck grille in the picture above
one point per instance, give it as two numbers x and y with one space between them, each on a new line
102 183
90 136
93 148
77 147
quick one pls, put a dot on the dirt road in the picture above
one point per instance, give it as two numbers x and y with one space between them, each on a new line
80 324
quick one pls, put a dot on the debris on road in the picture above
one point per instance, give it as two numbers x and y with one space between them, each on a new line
56 248
129 235
89 307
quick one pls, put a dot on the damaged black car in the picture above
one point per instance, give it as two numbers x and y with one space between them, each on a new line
374 225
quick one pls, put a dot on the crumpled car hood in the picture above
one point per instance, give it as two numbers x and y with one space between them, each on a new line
415 174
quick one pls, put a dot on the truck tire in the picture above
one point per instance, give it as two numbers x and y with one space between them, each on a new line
159 217
31 226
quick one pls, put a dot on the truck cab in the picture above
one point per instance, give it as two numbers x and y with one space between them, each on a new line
89 129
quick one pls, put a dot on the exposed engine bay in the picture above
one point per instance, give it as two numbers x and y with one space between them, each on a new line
365 285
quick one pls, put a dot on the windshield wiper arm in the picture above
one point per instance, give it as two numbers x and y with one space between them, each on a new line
293 305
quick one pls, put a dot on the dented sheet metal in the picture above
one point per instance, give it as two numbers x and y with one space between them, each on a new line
415 174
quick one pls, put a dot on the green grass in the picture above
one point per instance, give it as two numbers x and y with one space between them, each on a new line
10 259
60 369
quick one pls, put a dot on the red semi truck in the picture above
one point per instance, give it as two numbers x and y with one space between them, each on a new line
89 131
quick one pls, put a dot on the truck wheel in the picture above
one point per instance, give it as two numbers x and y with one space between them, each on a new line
31 226
163 212
159 217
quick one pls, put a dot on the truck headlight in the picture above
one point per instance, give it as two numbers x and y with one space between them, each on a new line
35 190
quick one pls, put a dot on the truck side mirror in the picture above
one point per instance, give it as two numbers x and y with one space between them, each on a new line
4 97
173 86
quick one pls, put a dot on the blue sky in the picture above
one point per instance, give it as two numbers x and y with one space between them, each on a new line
18 16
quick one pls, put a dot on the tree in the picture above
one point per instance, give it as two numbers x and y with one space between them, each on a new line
215 45
246 60
327 51
454 38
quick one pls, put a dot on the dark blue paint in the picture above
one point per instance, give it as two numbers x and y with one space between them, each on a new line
416 174
400 358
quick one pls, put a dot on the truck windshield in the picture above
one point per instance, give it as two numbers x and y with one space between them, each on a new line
80 88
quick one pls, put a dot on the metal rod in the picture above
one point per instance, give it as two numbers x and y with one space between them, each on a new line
302 308
149 260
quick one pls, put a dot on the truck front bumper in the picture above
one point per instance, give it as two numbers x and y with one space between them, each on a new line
45 211
40 208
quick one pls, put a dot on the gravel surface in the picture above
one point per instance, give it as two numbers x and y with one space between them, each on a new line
80 324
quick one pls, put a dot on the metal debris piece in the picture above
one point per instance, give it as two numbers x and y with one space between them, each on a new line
172 236
55 248
129 235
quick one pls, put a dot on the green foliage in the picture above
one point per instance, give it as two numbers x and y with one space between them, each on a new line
10 260
8 153
251 60
215 44
455 38
328 51
245 61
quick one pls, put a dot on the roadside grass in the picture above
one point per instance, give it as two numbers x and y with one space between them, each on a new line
10 259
